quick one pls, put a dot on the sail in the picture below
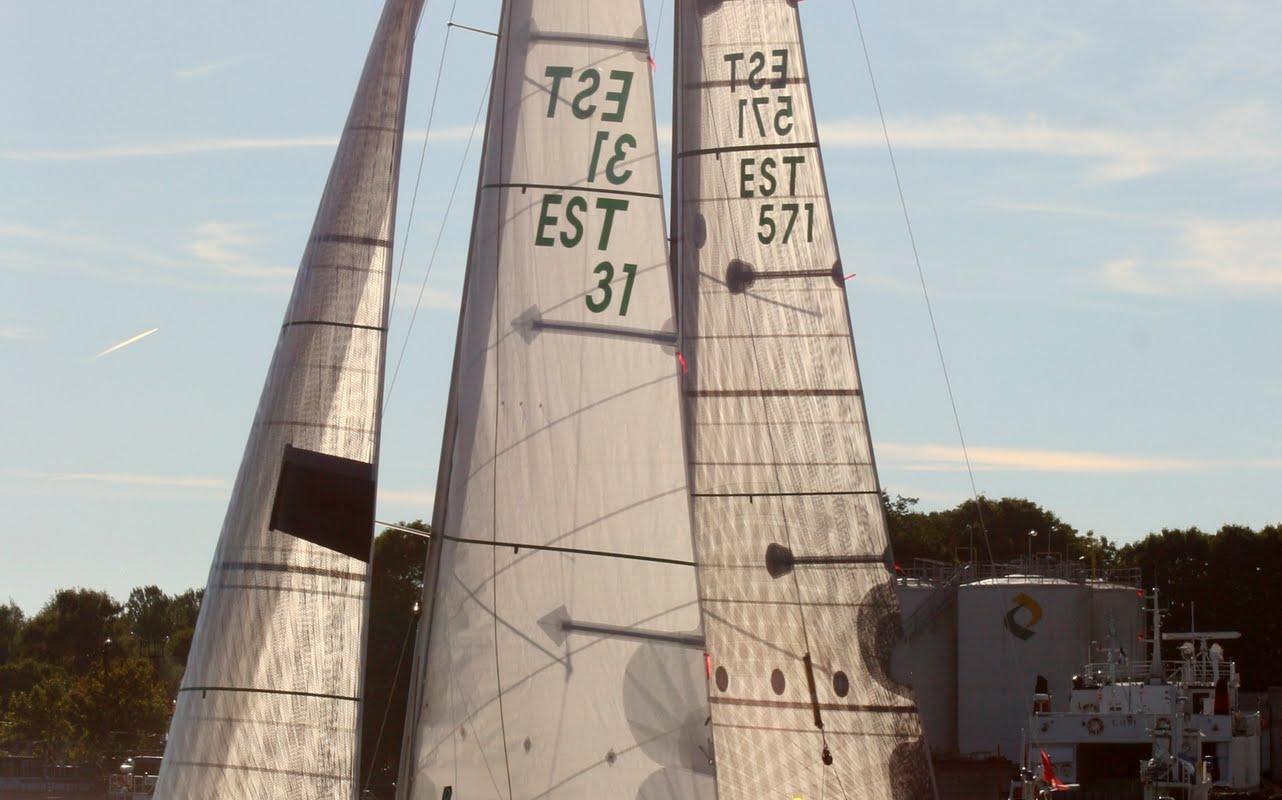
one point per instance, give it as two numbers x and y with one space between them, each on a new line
269 706
795 570
561 653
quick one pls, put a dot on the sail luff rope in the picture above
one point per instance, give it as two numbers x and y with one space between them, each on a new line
921 275
437 246
422 158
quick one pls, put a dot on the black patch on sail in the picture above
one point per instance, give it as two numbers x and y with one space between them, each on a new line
326 500
880 630
909 768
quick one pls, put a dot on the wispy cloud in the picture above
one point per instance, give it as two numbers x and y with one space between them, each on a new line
125 479
16 333
948 458
1243 257
208 146
227 246
419 498
205 70
1244 135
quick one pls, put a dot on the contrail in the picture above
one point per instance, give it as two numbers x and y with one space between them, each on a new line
127 342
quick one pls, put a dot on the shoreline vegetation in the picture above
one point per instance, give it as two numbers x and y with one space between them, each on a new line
91 680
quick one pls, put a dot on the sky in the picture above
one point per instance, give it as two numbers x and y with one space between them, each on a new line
1096 192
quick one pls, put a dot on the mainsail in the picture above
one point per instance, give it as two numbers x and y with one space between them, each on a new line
269 706
561 653
799 609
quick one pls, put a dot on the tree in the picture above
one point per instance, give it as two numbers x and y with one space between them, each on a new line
123 709
72 627
37 716
12 621
396 589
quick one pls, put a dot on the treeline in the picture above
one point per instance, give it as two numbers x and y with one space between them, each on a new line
93 679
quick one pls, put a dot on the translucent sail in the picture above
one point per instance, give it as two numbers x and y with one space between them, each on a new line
561 655
799 609
269 706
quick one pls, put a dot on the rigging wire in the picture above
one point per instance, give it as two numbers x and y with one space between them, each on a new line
436 247
422 156
921 275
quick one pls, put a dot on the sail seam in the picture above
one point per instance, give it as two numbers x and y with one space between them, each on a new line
343 238
570 550
330 324
573 188
570 38
266 566
745 148
773 393
785 494
807 706
252 690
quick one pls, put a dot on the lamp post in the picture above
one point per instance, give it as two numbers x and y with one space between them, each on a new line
1031 536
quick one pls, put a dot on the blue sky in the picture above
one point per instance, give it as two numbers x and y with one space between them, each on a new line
1096 191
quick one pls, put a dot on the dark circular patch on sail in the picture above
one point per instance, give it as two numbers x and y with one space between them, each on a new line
838 274
739 276
880 630
777 682
527 744
665 700
909 767
700 233
723 679
841 683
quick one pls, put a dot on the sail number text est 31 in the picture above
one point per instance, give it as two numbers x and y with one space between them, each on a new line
587 94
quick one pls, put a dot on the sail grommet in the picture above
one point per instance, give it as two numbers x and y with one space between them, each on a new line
611 757
841 683
739 276
826 756
777 682
527 745
723 679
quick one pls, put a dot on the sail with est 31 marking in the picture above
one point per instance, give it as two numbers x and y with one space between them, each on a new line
561 655
795 570
270 706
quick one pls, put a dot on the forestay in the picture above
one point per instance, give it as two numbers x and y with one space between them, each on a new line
563 656
269 705
799 608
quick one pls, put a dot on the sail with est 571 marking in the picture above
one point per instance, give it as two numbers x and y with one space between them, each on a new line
561 654
799 608
270 705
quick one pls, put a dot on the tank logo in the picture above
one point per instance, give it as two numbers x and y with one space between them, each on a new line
1023 629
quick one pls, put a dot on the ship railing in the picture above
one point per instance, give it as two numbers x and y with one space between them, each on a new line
926 571
1174 671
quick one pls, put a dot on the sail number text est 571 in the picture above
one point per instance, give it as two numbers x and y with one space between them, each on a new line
761 117
587 94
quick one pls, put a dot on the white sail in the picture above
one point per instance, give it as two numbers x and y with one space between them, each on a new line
269 706
560 654
803 700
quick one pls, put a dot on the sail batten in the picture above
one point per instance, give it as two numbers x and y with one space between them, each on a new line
270 703
561 656
800 614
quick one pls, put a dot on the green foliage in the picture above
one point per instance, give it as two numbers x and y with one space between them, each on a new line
12 621
71 629
397 585
38 715
122 709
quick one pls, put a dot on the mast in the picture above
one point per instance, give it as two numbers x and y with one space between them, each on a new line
561 652
800 611
270 703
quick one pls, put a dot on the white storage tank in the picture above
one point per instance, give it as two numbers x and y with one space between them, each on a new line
927 660
1117 612
1010 631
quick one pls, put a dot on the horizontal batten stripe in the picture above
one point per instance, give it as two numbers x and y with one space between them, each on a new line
578 551
663 337
852 707
745 148
267 566
282 692
773 83
640 45
343 238
772 392
684 639
572 188
812 731
327 323
268 770
791 494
